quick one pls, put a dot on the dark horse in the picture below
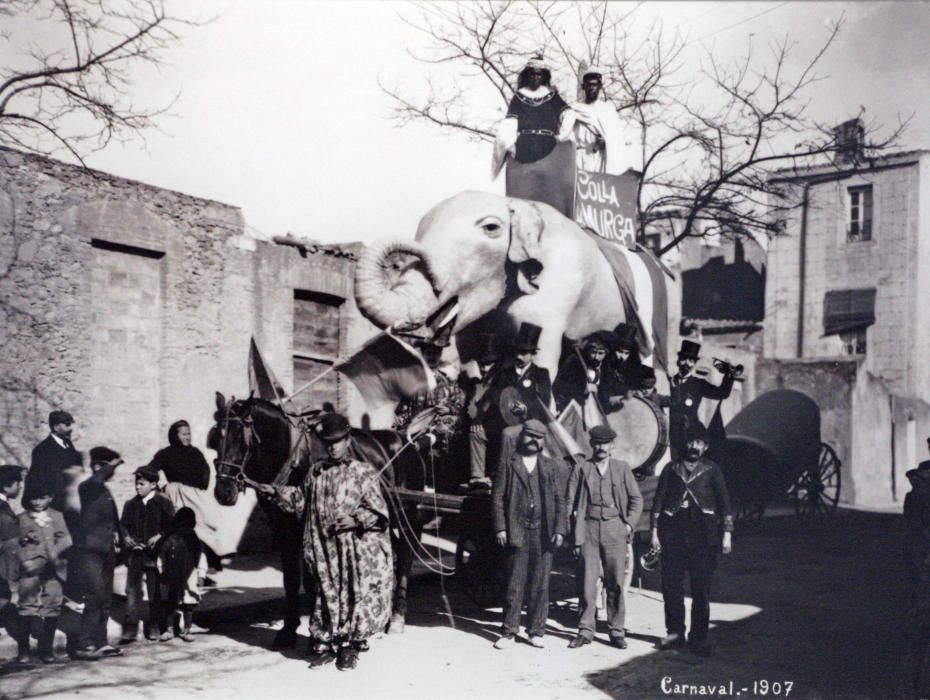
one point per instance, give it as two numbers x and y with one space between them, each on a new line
255 439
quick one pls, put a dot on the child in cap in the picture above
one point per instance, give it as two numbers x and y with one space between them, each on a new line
178 561
11 480
44 542
145 520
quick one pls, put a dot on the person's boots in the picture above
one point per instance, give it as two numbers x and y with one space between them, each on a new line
47 641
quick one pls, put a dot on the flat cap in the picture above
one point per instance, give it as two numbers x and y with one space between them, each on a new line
11 472
147 472
601 433
534 427
103 454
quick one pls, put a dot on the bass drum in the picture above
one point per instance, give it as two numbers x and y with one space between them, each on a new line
642 433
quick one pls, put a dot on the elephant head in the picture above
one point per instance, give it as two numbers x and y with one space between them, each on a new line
469 246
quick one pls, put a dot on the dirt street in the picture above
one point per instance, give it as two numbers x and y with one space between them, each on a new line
821 612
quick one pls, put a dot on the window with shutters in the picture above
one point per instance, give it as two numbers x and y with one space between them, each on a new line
316 346
860 214
848 313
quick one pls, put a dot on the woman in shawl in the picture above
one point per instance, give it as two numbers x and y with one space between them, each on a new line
188 476
536 134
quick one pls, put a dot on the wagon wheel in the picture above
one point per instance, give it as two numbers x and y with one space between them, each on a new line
478 569
817 490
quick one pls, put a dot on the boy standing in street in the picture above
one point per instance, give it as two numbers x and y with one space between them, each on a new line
145 520
44 543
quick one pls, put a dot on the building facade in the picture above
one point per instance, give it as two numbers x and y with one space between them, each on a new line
848 287
130 306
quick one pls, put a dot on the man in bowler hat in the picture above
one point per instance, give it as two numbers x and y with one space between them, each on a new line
687 391
528 511
605 498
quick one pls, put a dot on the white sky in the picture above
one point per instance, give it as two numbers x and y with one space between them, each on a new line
280 111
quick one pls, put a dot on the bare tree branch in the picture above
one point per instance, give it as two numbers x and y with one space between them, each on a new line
74 91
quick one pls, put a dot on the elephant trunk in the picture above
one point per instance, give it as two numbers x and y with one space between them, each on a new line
395 282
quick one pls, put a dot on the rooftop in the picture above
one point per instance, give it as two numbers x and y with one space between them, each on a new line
884 161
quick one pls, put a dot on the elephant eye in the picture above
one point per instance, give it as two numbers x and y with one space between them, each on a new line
491 226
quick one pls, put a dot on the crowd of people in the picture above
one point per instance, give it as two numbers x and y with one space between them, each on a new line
58 556
494 427
542 499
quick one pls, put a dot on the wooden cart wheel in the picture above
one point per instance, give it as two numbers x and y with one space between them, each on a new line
479 570
817 490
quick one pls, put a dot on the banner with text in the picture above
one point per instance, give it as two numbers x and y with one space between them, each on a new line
607 204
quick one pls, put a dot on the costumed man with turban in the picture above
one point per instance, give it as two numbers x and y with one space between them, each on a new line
346 545
536 135
598 130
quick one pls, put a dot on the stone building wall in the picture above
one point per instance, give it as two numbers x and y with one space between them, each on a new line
889 262
130 305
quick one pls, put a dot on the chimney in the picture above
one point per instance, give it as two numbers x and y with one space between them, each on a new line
849 138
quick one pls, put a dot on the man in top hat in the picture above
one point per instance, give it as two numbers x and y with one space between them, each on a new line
691 503
98 538
528 511
687 391
52 458
346 545
598 131
530 383
582 377
606 502
477 408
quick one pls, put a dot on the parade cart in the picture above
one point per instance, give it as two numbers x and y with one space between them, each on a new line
773 448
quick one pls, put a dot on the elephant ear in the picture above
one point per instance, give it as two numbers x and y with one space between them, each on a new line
526 230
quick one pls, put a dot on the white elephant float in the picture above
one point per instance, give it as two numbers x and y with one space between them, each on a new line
523 257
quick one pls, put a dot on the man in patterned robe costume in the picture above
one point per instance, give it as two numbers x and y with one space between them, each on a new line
346 545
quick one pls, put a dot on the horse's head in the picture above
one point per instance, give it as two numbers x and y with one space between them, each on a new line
251 438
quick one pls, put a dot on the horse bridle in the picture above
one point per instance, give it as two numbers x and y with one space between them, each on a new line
230 470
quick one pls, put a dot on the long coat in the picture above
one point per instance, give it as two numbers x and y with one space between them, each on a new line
534 387
685 400
49 463
353 569
511 490
625 490
98 529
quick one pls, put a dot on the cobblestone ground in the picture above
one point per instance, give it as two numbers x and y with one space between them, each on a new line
819 611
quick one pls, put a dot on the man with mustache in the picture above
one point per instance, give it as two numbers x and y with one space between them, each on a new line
607 504
582 374
520 390
529 516
687 391
691 502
